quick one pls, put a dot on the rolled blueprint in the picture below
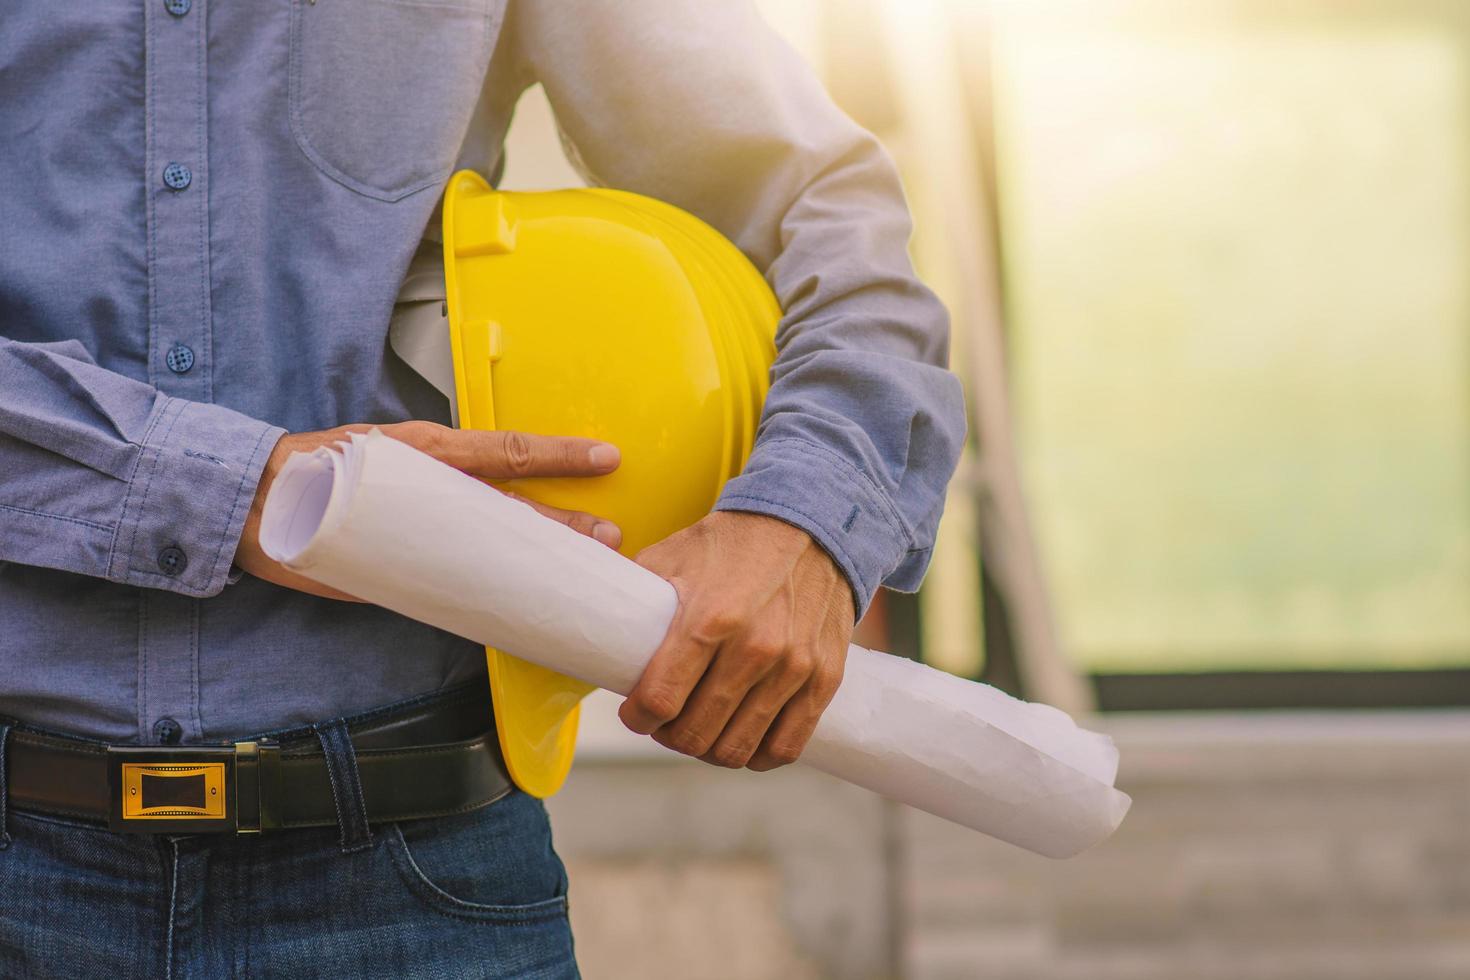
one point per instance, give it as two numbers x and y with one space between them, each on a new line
386 523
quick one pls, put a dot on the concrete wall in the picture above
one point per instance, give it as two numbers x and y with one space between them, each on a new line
1327 847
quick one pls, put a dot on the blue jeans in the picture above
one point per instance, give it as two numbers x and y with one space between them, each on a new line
481 894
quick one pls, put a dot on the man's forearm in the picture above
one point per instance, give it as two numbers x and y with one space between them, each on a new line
705 107
105 476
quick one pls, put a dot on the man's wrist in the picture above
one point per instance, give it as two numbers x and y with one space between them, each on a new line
189 497
797 542
842 509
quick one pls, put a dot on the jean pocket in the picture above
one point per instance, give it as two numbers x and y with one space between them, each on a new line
382 91
495 863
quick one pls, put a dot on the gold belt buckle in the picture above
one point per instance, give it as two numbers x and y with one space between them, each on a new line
186 791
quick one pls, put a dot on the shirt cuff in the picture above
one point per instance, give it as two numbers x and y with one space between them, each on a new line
841 507
189 496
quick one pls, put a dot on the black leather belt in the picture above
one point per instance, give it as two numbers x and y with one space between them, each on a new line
427 758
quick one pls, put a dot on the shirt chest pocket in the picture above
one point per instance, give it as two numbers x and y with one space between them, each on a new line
382 91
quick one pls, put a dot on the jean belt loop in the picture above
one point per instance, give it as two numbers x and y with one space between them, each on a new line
346 785
4 789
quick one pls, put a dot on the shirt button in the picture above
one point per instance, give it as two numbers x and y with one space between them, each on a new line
172 561
167 731
180 358
177 7
177 176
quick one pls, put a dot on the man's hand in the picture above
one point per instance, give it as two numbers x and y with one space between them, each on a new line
756 650
488 455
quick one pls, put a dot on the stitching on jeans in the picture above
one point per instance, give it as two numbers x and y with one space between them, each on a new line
331 732
4 790
332 783
173 901
362 827
446 904
244 925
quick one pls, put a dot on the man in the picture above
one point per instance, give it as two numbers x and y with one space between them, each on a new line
207 209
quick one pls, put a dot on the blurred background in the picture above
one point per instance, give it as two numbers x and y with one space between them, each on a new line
1209 265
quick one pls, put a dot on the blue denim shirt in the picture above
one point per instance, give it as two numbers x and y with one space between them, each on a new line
206 210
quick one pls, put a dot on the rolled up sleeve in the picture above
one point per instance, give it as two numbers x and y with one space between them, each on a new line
703 106
103 475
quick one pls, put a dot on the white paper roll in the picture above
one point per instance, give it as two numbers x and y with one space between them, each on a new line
382 521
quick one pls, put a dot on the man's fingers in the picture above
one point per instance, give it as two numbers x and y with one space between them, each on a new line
660 694
716 696
742 737
510 455
787 736
602 531
502 455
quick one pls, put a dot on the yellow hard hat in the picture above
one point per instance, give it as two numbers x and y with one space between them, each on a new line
601 313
